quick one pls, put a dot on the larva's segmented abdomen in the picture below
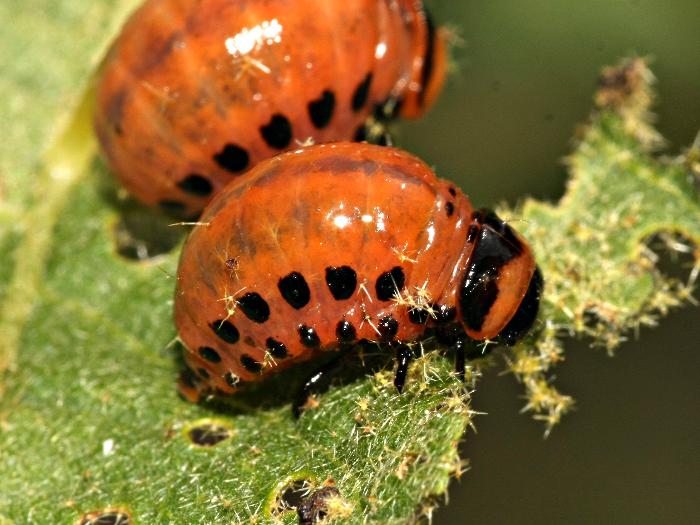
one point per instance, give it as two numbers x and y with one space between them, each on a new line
195 92
327 245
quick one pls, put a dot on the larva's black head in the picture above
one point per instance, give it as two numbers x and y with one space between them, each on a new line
500 291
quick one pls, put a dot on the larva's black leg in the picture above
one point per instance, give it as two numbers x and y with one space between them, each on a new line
403 359
460 360
317 383
465 350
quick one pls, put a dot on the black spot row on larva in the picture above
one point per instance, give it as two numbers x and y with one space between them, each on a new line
209 354
294 290
359 98
254 307
309 337
278 132
276 349
389 284
196 185
345 332
232 158
321 109
388 327
251 364
226 331
341 281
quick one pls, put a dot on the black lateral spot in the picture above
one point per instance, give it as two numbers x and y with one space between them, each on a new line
276 349
196 185
418 315
294 289
208 353
321 109
309 337
526 314
278 132
232 158
226 331
172 207
445 314
452 191
341 281
110 517
359 98
472 233
449 208
251 364
389 284
360 134
388 327
232 380
203 373
254 307
345 332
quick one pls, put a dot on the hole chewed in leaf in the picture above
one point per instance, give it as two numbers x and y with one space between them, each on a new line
106 517
292 495
208 433
312 504
325 505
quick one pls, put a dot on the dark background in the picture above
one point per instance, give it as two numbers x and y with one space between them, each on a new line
526 75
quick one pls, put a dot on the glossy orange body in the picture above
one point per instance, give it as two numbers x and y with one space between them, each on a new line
311 211
195 92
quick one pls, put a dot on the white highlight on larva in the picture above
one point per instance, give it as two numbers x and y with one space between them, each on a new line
248 40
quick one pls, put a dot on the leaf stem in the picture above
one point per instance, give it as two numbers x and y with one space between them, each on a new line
64 162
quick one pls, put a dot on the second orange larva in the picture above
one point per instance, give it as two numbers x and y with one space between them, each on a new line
195 92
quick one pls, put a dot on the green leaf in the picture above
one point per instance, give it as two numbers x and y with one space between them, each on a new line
89 413
601 276
89 417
